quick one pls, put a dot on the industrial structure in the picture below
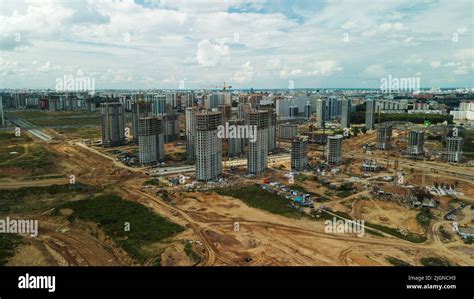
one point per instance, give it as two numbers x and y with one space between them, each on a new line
257 157
299 153
151 140
113 124
208 146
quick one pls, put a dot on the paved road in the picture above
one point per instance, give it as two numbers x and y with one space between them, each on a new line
32 129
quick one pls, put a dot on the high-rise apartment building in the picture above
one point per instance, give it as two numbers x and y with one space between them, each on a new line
320 113
236 145
208 146
257 158
299 153
370 114
190 115
346 113
334 149
454 147
113 124
272 144
151 141
140 109
384 137
416 140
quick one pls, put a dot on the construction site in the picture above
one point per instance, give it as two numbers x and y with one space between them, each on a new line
272 218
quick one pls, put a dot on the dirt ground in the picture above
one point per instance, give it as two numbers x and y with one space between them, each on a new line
262 239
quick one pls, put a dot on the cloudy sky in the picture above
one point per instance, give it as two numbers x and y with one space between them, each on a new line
260 44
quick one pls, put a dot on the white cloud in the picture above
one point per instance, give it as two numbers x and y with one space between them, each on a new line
209 54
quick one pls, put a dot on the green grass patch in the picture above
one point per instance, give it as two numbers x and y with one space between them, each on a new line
32 199
434 262
257 198
8 243
88 132
188 248
397 262
411 237
112 213
424 217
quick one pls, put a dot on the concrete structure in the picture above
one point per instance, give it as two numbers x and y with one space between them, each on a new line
113 124
416 140
208 146
369 165
320 113
299 153
190 115
171 127
236 146
243 112
288 131
384 137
370 114
158 102
293 111
346 114
257 157
272 144
140 109
334 149
307 110
151 140
454 147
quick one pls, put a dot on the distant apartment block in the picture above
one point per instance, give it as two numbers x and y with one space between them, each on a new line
208 146
236 146
299 153
257 158
113 124
272 144
288 131
416 141
454 147
346 113
140 109
334 149
151 141
370 114
320 113
190 118
384 137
